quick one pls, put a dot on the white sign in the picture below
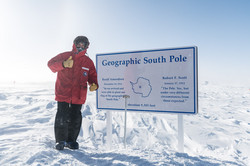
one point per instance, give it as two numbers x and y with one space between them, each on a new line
163 80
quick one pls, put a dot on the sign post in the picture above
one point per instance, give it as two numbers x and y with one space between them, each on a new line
180 133
109 129
163 80
125 119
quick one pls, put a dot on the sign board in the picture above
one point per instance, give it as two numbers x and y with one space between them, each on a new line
163 80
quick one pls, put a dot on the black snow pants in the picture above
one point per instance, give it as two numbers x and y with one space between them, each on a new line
68 122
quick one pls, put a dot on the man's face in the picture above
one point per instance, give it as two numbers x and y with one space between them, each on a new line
80 46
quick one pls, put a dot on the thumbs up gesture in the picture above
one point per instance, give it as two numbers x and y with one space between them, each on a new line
93 87
68 63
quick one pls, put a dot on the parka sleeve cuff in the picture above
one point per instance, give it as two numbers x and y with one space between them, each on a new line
55 66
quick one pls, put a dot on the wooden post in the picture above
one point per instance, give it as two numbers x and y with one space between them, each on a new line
180 133
109 129
125 120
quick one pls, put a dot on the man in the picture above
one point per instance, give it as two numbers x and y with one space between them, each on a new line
74 71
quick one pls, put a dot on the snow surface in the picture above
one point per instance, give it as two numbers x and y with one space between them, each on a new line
218 135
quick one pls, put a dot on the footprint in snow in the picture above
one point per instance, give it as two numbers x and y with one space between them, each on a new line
50 105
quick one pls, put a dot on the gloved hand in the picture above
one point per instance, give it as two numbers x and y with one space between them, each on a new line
93 87
68 63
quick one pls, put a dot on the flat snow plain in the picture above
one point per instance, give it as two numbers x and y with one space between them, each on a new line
218 135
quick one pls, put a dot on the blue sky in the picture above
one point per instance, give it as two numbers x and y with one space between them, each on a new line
33 31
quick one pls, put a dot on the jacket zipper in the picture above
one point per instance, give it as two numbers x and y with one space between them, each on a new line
72 78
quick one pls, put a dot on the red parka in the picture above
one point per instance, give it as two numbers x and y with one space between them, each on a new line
72 83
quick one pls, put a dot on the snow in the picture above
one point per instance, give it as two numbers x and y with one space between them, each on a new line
218 135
